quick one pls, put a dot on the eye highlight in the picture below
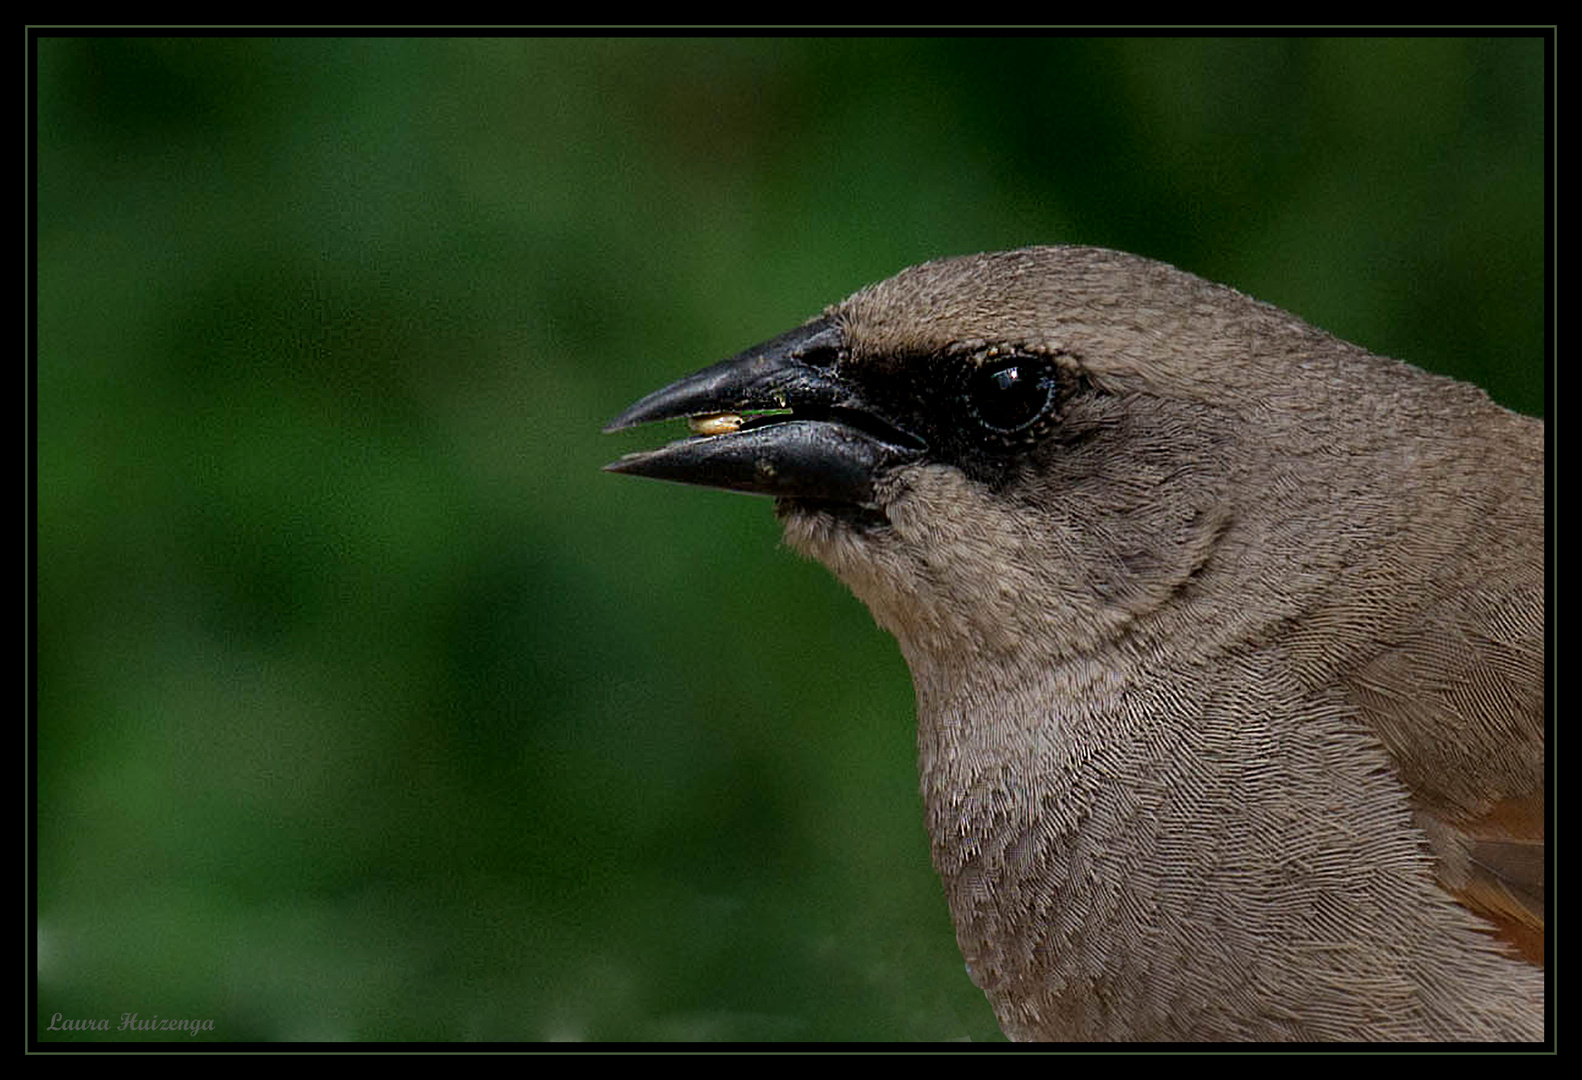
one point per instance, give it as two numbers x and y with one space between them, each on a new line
1008 395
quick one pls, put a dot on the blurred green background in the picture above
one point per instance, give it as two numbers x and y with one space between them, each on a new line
370 709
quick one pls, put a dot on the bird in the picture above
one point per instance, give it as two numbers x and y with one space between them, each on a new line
1227 638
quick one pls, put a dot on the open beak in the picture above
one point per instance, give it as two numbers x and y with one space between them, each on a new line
774 420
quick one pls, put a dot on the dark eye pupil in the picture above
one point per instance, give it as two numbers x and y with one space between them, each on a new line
1009 397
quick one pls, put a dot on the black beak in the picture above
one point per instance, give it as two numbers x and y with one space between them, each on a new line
777 420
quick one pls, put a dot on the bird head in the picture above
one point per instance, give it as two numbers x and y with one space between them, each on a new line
987 447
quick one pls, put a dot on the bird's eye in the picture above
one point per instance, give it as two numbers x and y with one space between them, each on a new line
1008 396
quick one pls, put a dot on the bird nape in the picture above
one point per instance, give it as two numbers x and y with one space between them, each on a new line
1227 637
